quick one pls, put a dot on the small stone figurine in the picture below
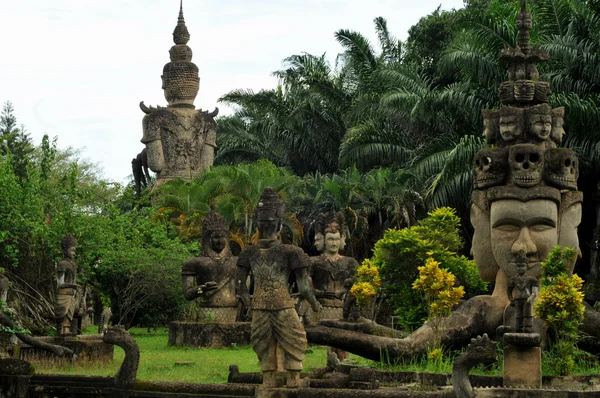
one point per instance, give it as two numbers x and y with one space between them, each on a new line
525 289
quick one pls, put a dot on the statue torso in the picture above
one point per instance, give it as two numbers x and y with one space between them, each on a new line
271 268
205 269
329 276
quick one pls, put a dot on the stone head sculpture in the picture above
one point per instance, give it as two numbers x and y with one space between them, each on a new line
511 124
491 120
68 245
526 162
490 167
215 234
329 235
561 168
269 214
539 122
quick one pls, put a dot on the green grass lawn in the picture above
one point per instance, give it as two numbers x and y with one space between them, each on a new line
157 361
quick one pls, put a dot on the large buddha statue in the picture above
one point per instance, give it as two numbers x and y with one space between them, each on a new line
180 140
211 276
66 306
331 271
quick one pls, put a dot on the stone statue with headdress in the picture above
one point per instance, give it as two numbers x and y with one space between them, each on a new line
331 272
211 276
66 305
275 323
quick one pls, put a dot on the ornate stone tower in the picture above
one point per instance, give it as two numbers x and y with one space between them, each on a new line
525 198
179 139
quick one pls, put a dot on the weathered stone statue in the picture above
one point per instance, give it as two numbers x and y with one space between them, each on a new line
68 299
330 271
180 140
4 285
525 290
275 323
211 276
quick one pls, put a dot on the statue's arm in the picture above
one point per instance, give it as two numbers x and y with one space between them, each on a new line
156 156
509 292
243 270
190 290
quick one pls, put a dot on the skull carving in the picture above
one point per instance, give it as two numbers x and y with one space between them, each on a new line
561 168
489 167
526 163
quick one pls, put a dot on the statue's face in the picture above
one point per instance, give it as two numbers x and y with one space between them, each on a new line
218 241
540 126
332 242
71 251
488 130
481 246
558 130
268 229
528 226
510 128
319 241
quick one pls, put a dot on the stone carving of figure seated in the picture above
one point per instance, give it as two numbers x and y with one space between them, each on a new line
211 276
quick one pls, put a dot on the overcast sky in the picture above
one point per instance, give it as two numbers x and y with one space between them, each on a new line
77 69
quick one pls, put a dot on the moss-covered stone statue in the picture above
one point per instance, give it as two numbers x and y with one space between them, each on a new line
275 323
179 139
66 306
210 278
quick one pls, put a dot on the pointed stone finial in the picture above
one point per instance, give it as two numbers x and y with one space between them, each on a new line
523 21
181 34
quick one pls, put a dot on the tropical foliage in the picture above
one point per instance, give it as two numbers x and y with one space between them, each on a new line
560 306
400 253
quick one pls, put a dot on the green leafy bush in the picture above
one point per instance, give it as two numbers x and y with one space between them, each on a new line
400 252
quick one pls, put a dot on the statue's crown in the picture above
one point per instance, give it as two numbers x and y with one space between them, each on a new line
180 76
525 129
213 221
270 207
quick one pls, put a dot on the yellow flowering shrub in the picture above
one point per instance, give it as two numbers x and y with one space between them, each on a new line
367 283
438 285
560 306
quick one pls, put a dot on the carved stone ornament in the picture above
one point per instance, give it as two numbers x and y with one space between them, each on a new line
490 167
491 120
561 168
539 121
511 124
526 165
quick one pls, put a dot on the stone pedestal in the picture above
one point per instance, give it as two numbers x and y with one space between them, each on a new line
87 348
262 392
192 334
522 360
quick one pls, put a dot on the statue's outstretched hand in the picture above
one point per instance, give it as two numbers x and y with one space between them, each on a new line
316 306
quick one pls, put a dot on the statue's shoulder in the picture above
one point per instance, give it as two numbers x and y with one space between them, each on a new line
196 264
155 121
65 264
243 260
350 262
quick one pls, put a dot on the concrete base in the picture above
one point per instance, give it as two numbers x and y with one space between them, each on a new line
192 334
522 366
262 392
86 348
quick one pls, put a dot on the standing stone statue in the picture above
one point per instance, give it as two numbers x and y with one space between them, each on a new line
525 290
67 302
179 139
331 271
275 323
211 276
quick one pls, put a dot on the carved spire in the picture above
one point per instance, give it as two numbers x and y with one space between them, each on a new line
181 34
180 76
